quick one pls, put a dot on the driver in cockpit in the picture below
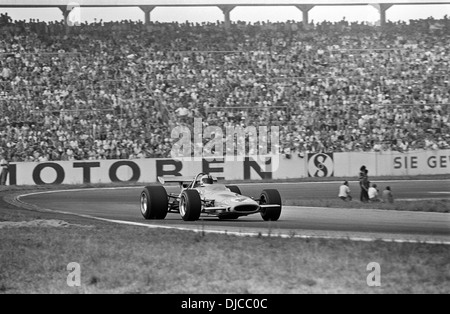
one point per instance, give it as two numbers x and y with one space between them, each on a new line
206 180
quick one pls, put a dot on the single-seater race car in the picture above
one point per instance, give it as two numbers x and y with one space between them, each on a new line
202 195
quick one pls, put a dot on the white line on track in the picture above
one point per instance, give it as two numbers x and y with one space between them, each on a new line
225 232
424 199
338 182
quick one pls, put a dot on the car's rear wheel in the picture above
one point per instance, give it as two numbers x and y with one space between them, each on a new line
154 202
234 189
271 197
190 205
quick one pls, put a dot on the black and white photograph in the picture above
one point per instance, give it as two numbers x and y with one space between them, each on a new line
224 155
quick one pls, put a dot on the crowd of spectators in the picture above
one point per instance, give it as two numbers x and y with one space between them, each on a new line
116 90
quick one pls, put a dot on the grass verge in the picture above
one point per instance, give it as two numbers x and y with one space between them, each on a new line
438 205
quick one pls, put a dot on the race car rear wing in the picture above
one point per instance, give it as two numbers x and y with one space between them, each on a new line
179 180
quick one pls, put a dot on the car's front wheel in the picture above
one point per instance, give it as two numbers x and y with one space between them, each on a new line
154 202
190 205
271 197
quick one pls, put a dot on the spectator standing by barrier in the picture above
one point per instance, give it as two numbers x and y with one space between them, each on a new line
364 184
4 166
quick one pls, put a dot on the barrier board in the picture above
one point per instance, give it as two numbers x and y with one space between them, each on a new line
311 165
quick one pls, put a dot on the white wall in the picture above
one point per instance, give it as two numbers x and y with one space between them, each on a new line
319 165
394 163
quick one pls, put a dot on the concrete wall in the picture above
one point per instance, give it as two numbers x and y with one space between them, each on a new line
314 165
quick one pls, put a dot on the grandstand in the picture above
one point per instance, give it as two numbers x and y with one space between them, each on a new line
226 6
115 90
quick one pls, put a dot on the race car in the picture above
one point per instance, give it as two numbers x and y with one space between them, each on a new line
202 195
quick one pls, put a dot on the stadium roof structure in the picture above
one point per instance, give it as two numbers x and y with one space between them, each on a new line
131 3
225 5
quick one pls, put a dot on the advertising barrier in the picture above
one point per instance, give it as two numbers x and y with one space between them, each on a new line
311 165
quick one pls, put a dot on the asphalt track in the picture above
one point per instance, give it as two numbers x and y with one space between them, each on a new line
122 205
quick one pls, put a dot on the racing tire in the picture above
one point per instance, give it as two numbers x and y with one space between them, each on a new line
270 197
234 189
190 205
154 202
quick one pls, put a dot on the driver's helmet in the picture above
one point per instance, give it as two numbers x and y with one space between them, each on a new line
206 180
